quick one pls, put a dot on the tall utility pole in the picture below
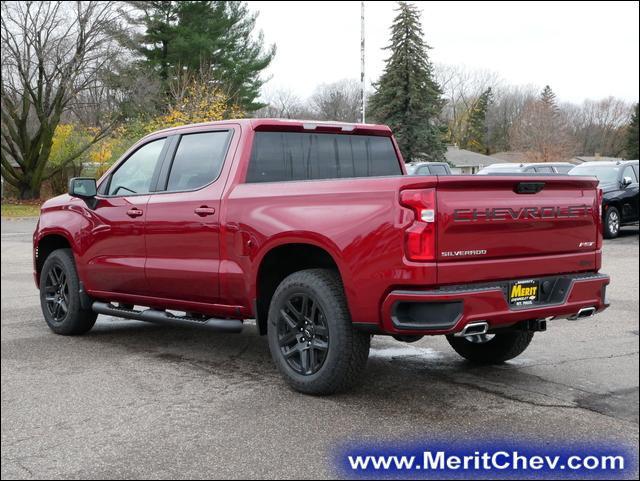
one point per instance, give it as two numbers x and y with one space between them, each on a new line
362 86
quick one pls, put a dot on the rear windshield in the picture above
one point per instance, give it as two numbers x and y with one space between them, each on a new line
283 156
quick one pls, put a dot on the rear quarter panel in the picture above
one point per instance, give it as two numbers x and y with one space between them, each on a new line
359 222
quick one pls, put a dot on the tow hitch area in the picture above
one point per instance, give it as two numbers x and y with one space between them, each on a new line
535 325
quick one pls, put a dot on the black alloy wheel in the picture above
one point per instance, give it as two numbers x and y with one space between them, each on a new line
303 334
57 293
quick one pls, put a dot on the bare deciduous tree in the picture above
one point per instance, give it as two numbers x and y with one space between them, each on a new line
338 101
508 103
53 56
541 132
461 88
599 127
283 104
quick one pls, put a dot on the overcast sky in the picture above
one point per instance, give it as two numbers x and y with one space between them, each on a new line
583 50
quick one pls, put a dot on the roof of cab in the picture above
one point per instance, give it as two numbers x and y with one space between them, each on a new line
291 125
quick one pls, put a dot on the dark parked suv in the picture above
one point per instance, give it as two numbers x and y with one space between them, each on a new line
619 184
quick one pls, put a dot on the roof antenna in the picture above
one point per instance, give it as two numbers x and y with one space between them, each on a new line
362 87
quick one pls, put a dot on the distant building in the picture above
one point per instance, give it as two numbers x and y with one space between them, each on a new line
465 161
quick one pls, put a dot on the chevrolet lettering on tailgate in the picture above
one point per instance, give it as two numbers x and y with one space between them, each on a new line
523 213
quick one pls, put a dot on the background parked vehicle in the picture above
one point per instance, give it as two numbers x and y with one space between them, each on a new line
429 168
532 168
619 184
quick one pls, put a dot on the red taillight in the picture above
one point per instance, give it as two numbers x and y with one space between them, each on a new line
600 227
420 237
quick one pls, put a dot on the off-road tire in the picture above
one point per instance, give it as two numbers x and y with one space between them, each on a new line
75 320
348 349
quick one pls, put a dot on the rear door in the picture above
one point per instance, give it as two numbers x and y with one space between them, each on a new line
182 222
510 221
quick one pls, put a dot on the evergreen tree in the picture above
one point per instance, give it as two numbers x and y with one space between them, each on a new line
475 138
407 98
548 98
632 136
215 35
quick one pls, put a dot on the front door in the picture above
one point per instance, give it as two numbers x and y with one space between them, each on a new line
629 196
182 221
114 259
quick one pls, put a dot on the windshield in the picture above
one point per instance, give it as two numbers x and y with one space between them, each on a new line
604 173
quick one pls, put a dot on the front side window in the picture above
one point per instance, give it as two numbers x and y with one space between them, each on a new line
629 172
283 156
135 175
198 160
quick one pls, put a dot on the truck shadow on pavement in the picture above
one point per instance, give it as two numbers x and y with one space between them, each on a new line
416 377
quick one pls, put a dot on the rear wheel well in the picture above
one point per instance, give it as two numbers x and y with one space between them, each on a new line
279 263
46 246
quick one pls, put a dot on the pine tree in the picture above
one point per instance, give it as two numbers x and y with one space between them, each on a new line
548 99
632 136
407 98
475 138
215 35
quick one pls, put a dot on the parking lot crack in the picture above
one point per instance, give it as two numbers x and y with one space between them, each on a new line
530 402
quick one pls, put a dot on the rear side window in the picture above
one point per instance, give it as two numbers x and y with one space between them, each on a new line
198 160
546 170
283 156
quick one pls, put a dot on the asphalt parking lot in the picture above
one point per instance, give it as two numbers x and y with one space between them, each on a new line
131 400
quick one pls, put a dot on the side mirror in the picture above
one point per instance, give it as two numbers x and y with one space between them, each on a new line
83 187
627 181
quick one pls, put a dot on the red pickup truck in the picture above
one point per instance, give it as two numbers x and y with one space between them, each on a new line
314 230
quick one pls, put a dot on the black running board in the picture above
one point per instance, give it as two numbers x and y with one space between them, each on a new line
166 318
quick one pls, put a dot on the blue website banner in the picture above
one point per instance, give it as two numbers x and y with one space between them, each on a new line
488 460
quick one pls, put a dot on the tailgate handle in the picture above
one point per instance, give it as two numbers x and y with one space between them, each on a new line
529 187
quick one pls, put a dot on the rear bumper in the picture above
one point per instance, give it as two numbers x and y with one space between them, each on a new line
448 310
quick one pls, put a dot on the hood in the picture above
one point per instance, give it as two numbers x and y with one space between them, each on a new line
57 201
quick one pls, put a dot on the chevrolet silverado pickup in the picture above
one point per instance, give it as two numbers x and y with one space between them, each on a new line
315 231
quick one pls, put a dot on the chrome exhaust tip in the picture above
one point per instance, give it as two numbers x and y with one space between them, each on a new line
474 329
583 313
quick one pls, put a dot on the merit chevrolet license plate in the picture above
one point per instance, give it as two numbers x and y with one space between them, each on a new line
523 293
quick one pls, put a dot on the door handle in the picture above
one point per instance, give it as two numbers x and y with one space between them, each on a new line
134 212
203 211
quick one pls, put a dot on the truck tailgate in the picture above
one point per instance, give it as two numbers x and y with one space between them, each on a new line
515 218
